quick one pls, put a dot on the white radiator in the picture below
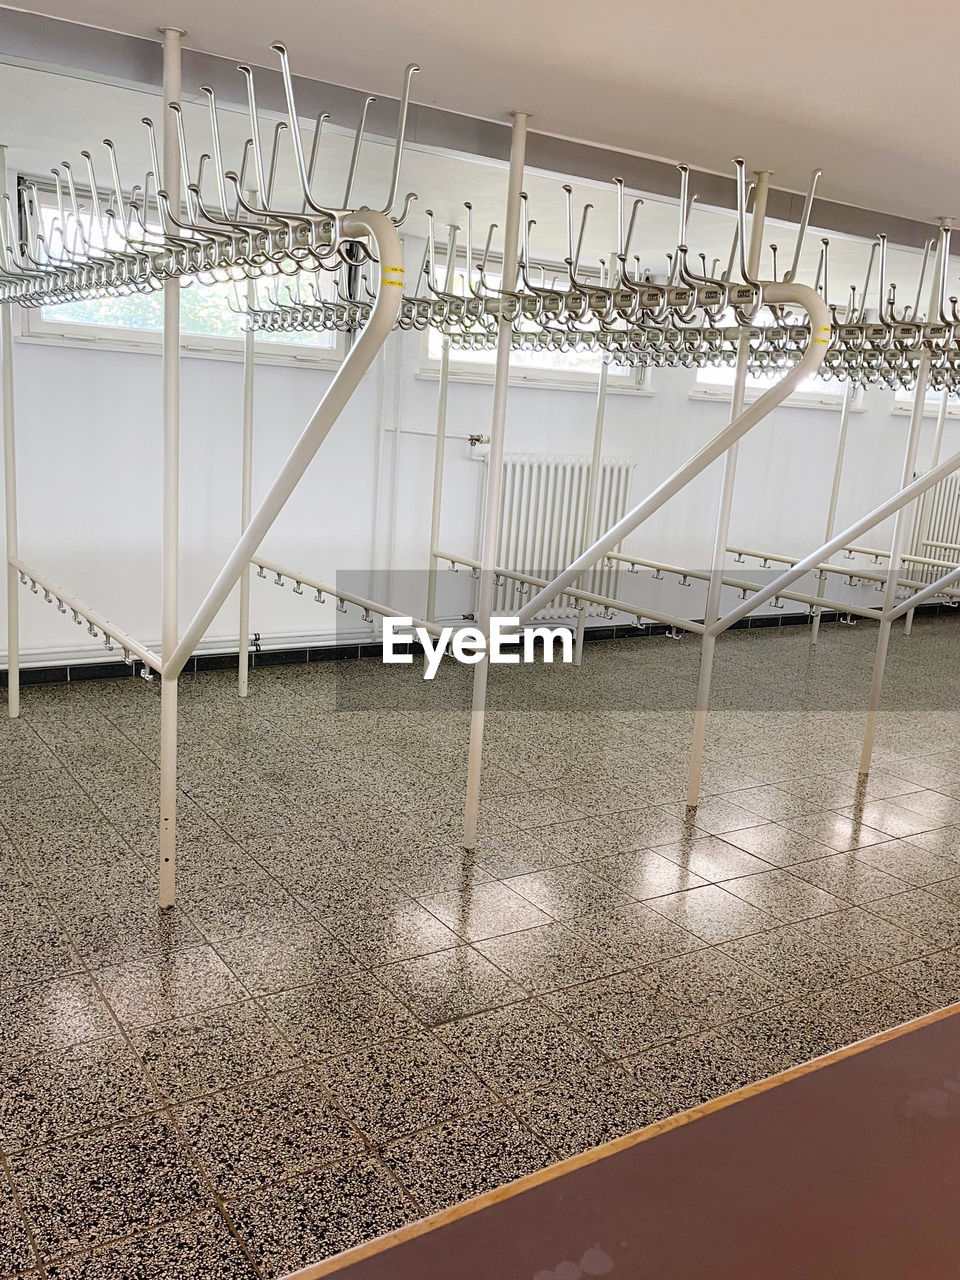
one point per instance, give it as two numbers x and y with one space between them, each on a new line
543 510
937 528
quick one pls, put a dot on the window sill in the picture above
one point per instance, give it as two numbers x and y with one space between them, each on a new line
188 350
536 382
792 402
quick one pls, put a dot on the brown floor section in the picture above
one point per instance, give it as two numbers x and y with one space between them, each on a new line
848 1169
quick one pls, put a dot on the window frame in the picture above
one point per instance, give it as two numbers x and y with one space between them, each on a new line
722 392
633 382
34 328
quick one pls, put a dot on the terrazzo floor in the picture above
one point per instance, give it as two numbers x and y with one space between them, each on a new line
347 1023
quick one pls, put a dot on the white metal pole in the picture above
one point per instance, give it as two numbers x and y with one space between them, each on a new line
246 492
900 523
893 568
171 489
809 363
345 382
441 440
834 494
438 477
488 555
709 642
593 490
10 490
923 505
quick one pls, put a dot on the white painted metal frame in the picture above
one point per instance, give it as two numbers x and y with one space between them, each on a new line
178 645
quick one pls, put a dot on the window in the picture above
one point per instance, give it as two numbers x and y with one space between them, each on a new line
210 322
903 403
715 382
576 369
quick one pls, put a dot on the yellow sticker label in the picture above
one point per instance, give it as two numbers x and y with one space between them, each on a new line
393 284
397 270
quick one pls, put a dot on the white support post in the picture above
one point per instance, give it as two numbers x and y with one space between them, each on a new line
10 490
171 490
441 440
834 495
488 555
593 492
709 642
900 524
901 520
438 453
923 506
246 493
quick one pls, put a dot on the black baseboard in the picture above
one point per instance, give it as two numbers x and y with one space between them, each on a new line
67 673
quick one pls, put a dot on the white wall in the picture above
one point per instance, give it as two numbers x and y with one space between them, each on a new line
88 438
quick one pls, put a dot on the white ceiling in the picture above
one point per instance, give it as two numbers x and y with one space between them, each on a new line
843 86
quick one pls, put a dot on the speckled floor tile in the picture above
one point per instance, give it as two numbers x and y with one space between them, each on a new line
623 1014
792 958
574 1115
635 934
49 1015
943 809
892 818
512 853
868 1005
519 1048
268 960
449 984
908 862
129 933
547 957
644 829
292 1224
945 841
922 913
169 986
208 1051
775 844
713 914
712 859
396 1088
465 1158
34 952
346 1011
485 911
716 815
784 895
838 831
864 936
674 1077
935 978
201 1248
91 1190
784 1036
266 1131
846 877
767 802
71 1090
568 891
644 874
714 987
16 1255
222 913
402 932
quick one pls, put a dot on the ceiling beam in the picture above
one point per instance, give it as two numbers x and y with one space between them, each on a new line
83 52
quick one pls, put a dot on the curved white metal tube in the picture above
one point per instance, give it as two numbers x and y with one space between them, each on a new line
348 376
809 363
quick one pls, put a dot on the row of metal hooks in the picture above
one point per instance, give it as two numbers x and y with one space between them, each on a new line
109 244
